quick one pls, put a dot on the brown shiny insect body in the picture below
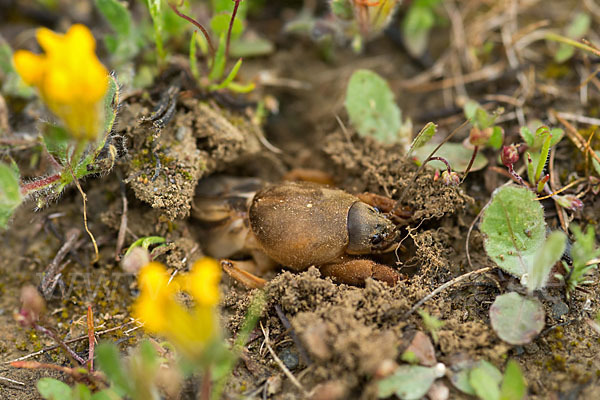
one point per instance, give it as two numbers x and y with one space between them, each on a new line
294 224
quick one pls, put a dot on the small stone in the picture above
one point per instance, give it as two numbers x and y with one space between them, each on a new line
289 358
422 349
559 309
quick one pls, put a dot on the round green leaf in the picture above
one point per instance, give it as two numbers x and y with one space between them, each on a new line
514 226
408 382
53 389
372 109
517 319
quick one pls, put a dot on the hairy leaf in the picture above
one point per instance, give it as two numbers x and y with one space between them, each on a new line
517 319
514 226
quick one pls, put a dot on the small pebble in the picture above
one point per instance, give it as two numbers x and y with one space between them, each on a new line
559 309
289 358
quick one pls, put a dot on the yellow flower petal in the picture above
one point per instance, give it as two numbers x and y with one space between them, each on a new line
70 78
203 282
50 42
30 66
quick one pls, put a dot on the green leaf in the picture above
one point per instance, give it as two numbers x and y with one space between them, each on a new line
218 67
123 46
416 27
484 384
457 155
576 30
584 247
53 389
146 242
409 382
219 6
10 193
57 141
470 108
158 23
517 319
81 392
514 226
461 379
108 360
595 163
251 47
231 76
219 24
527 135
117 15
106 394
497 138
544 260
372 109
423 137
513 386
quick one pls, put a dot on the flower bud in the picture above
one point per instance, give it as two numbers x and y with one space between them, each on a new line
569 202
510 155
33 305
450 178
135 260
479 137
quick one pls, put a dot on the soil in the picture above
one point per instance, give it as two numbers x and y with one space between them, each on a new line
346 336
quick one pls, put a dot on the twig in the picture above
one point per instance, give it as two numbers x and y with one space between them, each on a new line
580 118
575 136
285 370
444 287
77 339
91 339
49 280
11 381
123 226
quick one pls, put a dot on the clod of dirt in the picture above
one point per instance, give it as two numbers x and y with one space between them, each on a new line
363 164
200 139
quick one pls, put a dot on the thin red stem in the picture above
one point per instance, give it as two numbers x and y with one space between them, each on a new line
442 159
197 25
39 184
235 9
470 163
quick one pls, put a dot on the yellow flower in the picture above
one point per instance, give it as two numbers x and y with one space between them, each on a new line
189 329
69 77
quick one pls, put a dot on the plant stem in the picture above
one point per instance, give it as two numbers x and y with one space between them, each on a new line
39 184
442 159
60 342
235 9
471 161
197 25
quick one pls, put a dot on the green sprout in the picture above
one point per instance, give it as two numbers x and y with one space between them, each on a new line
226 27
585 259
